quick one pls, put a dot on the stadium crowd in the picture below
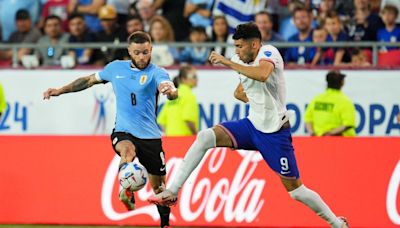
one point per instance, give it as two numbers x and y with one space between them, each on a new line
54 22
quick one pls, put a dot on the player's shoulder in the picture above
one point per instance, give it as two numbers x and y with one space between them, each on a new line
269 50
118 63
157 69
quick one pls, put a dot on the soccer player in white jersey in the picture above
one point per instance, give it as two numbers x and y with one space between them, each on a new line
266 129
136 84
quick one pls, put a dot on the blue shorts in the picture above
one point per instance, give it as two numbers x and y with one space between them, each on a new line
276 148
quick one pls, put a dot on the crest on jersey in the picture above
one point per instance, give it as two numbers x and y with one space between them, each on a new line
268 53
143 79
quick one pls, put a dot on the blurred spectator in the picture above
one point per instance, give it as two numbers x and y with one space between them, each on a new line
112 33
331 113
391 32
333 25
264 23
359 58
90 10
393 3
364 24
287 28
220 33
51 54
344 7
134 24
319 36
55 7
132 11
275 9
161 32
3 103
301 55
146 12
196 55
181 117
122 7
26 33
325 7
79 33
199 12
172 10
8 10
230 8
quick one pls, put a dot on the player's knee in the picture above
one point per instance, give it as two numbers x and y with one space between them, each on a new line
128 152
206 138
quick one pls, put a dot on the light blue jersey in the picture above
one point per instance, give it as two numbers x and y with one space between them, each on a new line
136 92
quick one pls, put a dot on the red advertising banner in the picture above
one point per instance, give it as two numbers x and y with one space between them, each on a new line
73 180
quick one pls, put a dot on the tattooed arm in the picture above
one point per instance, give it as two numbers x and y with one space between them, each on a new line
75 86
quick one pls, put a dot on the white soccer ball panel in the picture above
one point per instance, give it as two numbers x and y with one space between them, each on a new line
133 176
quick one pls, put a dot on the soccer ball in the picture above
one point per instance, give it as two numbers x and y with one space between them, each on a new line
133 176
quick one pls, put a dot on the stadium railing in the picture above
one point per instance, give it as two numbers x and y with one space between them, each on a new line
374 46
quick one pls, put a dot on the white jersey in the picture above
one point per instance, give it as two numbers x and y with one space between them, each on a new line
267 99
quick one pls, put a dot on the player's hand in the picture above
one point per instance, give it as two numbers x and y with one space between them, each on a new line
166 88
216 58
51 93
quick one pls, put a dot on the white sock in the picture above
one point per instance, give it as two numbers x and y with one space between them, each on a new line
204 141
315 202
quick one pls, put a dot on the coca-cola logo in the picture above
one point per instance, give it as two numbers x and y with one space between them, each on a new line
236 198
392 193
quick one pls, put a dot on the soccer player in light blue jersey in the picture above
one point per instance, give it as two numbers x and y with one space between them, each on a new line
137 84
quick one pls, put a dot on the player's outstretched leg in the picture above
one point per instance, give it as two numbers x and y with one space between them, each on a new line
205 140
313 200
126 150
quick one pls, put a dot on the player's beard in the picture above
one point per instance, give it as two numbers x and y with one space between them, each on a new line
140 66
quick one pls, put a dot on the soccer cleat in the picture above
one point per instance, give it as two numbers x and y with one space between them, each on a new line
345 223
127 198
164 198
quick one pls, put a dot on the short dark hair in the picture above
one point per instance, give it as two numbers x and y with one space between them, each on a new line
391 8
52 17
199 29
302 8
335 79
75 15
22 14
263 12
247 31
139 37
333 15
134 17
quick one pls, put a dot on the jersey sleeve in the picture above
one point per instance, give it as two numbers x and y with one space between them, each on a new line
270 54
162 76
106 74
